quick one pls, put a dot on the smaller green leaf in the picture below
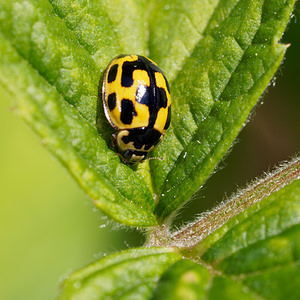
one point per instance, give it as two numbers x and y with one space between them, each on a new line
183 280
130 274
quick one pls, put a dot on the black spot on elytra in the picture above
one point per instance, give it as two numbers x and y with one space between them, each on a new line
127 70
112 74
111 100
127 111
168 119
140 137
162 98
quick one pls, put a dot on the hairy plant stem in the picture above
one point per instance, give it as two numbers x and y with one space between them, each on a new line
194 233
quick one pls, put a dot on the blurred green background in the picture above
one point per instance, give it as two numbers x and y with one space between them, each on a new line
49 228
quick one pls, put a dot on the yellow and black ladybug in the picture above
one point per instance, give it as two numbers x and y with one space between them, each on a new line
137 103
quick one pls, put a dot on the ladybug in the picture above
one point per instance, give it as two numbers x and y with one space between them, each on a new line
137 103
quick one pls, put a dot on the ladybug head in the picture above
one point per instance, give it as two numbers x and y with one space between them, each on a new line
128 150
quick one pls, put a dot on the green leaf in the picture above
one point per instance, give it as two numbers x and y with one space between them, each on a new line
130 274
59 100
76 143
221 79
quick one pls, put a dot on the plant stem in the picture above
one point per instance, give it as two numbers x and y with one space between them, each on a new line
194 233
